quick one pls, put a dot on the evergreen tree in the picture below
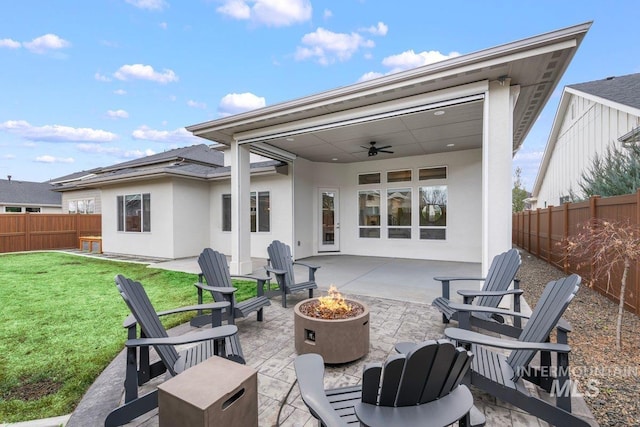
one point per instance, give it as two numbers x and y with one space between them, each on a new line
615 173
518 193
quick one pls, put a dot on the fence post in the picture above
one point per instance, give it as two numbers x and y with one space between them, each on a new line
549 224
75 225
565 236
27 231
593 215
538 233
529 232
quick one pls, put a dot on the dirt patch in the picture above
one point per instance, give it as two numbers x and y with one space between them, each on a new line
32 390
608 379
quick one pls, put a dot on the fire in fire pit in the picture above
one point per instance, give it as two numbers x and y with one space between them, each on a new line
332 326
332 306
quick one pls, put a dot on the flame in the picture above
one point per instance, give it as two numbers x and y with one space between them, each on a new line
334 303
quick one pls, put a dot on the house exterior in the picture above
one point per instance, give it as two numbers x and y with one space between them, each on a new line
439 187
86 201
28 197
442 188
591 117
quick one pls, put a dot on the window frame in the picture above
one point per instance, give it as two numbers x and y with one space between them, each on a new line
257 212
394 228
421 206
144 212
368 228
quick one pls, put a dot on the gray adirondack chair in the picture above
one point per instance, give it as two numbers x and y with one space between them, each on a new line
215 271
501 274
281 264
503 376
421 388
219 340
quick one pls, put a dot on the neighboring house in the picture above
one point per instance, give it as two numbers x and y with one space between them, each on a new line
441 190
28 197
86 201
591 117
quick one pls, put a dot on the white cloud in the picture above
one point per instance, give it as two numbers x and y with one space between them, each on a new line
99 149
235 103
410 59
145 72
47 42
326 46
531 155
51 159
134 154
101 77
276 13
179 135
379 30
196 104
56 133
163 25
11 44
8 156
148 4
327 14
120 92
369 76
407 60
118 114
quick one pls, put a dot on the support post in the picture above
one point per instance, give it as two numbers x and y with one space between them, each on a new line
240 211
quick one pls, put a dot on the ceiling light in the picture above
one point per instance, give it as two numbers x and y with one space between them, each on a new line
451 145
335 159
438 113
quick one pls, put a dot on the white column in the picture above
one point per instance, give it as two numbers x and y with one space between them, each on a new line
240 206
497 155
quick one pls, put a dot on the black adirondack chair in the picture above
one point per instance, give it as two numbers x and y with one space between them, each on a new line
501 274
421 388
215 271
219 340
281 265
503 376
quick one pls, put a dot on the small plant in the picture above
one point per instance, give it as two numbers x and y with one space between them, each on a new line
611 244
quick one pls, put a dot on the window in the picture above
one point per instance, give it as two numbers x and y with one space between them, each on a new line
83 206
433 212
32 210
369 178
399 213
369 213
226 212
134 212
13 209
260 211
399 176
432 173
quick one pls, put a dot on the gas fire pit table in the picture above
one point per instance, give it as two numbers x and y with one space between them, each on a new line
339 335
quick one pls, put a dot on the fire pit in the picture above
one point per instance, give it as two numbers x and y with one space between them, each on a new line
332 326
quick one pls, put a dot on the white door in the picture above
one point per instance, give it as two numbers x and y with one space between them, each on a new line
329 239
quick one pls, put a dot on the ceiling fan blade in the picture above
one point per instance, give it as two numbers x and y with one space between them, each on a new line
383 148
385 151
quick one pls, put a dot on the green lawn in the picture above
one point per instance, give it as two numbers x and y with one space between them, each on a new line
61 324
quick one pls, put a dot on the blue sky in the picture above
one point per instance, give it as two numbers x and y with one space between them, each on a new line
92 83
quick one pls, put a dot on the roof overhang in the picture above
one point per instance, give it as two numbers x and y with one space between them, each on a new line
398 109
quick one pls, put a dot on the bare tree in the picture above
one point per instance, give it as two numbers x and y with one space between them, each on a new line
606 245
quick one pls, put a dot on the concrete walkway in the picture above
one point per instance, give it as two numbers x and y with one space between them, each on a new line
398 293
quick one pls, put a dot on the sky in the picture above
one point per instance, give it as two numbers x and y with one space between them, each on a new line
85 84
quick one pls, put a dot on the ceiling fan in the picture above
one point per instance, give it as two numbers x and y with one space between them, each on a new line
373 150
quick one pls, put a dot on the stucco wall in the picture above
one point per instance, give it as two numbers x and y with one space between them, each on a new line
280 194
464 235
587 128
159 242
190 217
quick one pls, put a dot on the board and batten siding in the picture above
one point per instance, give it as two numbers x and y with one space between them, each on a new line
587 128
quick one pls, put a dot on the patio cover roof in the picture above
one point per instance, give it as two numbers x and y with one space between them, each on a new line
398 109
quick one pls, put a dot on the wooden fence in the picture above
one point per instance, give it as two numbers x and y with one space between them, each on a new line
541 232
39 231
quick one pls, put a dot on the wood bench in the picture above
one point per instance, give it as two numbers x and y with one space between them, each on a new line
91 244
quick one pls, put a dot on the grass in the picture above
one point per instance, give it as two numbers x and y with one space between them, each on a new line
61 324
